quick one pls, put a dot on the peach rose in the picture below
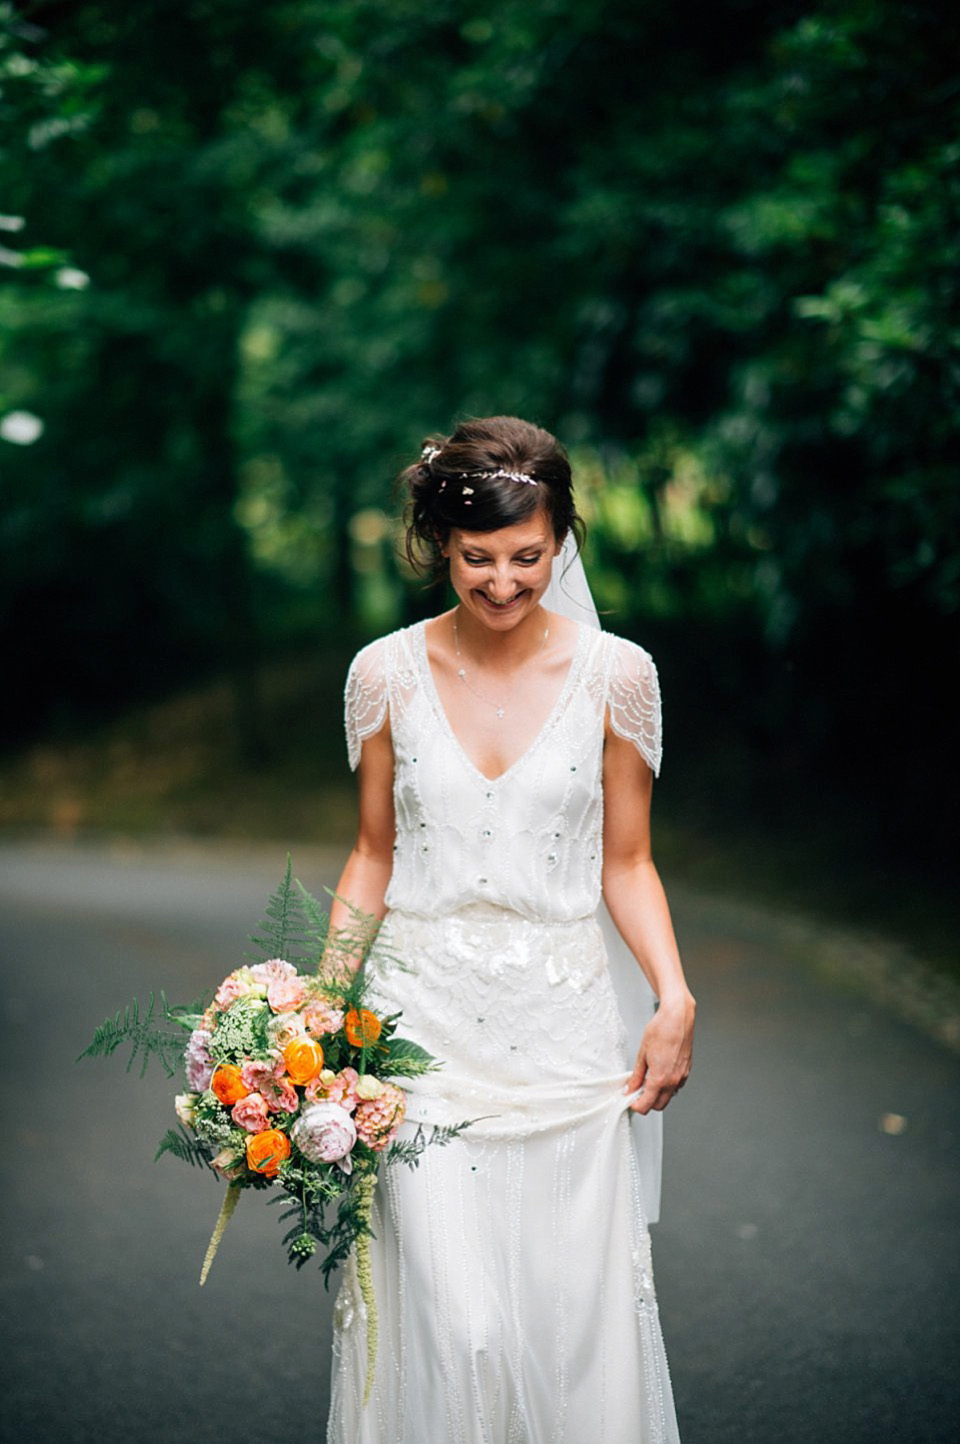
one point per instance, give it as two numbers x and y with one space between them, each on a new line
227 1164
284 1028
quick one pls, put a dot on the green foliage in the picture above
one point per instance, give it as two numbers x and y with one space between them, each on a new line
715 248
162 1039
284 932
185 1147
403 1058
308 1200
409 1150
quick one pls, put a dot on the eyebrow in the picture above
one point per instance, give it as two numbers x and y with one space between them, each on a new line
530 547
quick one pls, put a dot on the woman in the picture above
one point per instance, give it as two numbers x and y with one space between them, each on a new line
506 756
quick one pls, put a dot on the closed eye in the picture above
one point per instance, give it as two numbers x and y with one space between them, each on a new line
472 561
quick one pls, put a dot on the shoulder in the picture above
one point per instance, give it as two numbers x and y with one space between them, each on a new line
633 696
627 660
373 664
370 680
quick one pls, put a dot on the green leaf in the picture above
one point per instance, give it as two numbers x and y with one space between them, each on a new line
183 1146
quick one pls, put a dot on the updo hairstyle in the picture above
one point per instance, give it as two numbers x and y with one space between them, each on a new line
487 474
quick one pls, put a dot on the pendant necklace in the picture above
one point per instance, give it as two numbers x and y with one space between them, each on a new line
498 707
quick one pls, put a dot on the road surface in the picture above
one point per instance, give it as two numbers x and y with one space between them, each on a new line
807 1265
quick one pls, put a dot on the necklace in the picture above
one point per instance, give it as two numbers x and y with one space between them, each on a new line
499 707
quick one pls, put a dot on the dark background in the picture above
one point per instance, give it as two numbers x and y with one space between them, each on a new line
253 253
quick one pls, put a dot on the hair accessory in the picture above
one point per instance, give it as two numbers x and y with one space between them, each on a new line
428 453
502 471
467 490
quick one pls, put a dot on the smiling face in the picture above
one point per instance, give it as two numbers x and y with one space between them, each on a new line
500 576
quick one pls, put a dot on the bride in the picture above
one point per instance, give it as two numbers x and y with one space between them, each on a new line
506 755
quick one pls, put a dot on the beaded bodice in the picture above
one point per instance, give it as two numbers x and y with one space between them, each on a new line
531 839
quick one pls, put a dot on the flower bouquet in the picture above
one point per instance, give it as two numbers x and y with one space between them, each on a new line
289 1083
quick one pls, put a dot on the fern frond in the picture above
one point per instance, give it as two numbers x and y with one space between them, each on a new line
162 1040
405 1059
317 917
281 932
408 1150
183 1146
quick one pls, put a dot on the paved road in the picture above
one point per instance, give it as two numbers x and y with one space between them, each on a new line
807 1264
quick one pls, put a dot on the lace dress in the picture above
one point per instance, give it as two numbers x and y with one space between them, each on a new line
512 1268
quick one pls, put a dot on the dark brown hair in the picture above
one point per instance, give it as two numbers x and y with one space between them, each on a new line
456 484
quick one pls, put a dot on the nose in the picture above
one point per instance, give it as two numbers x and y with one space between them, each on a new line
502 584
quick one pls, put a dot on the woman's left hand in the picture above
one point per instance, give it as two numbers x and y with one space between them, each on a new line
665 1055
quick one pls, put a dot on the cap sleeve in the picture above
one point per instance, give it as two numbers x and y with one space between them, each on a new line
365 698
633 697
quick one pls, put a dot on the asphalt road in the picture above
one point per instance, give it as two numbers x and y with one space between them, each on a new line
807 1265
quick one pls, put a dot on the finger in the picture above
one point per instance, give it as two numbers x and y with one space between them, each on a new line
638 1077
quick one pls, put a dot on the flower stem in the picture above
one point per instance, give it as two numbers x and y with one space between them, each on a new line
230 1199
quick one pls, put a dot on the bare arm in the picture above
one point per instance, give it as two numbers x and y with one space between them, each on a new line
364 879
638 905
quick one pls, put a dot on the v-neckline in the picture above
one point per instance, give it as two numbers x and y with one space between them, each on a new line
424 657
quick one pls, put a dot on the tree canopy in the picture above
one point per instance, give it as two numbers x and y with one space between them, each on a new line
254 253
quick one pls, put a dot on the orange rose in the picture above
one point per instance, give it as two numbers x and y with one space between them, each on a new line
266 1151
362 1028
227 1082
304 1059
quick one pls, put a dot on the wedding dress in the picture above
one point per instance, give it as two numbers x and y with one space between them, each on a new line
512 1267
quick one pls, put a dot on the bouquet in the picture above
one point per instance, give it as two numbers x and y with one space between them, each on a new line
289 1084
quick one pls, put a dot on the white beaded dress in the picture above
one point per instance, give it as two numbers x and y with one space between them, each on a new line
512 1267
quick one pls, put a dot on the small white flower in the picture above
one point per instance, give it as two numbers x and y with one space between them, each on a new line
368 1087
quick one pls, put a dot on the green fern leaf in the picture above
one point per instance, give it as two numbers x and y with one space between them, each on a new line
281 932
405 1059
162 1040
189 1150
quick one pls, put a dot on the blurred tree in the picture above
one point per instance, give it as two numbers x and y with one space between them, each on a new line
127 553
715 248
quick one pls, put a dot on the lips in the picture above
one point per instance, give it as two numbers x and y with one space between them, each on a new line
501 606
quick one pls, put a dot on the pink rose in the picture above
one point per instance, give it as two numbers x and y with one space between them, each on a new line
251 1113
280 1095
286 994
198 1060
335 1088
234 987
325 1133
273 971
255 1072
320 1018
270 1081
